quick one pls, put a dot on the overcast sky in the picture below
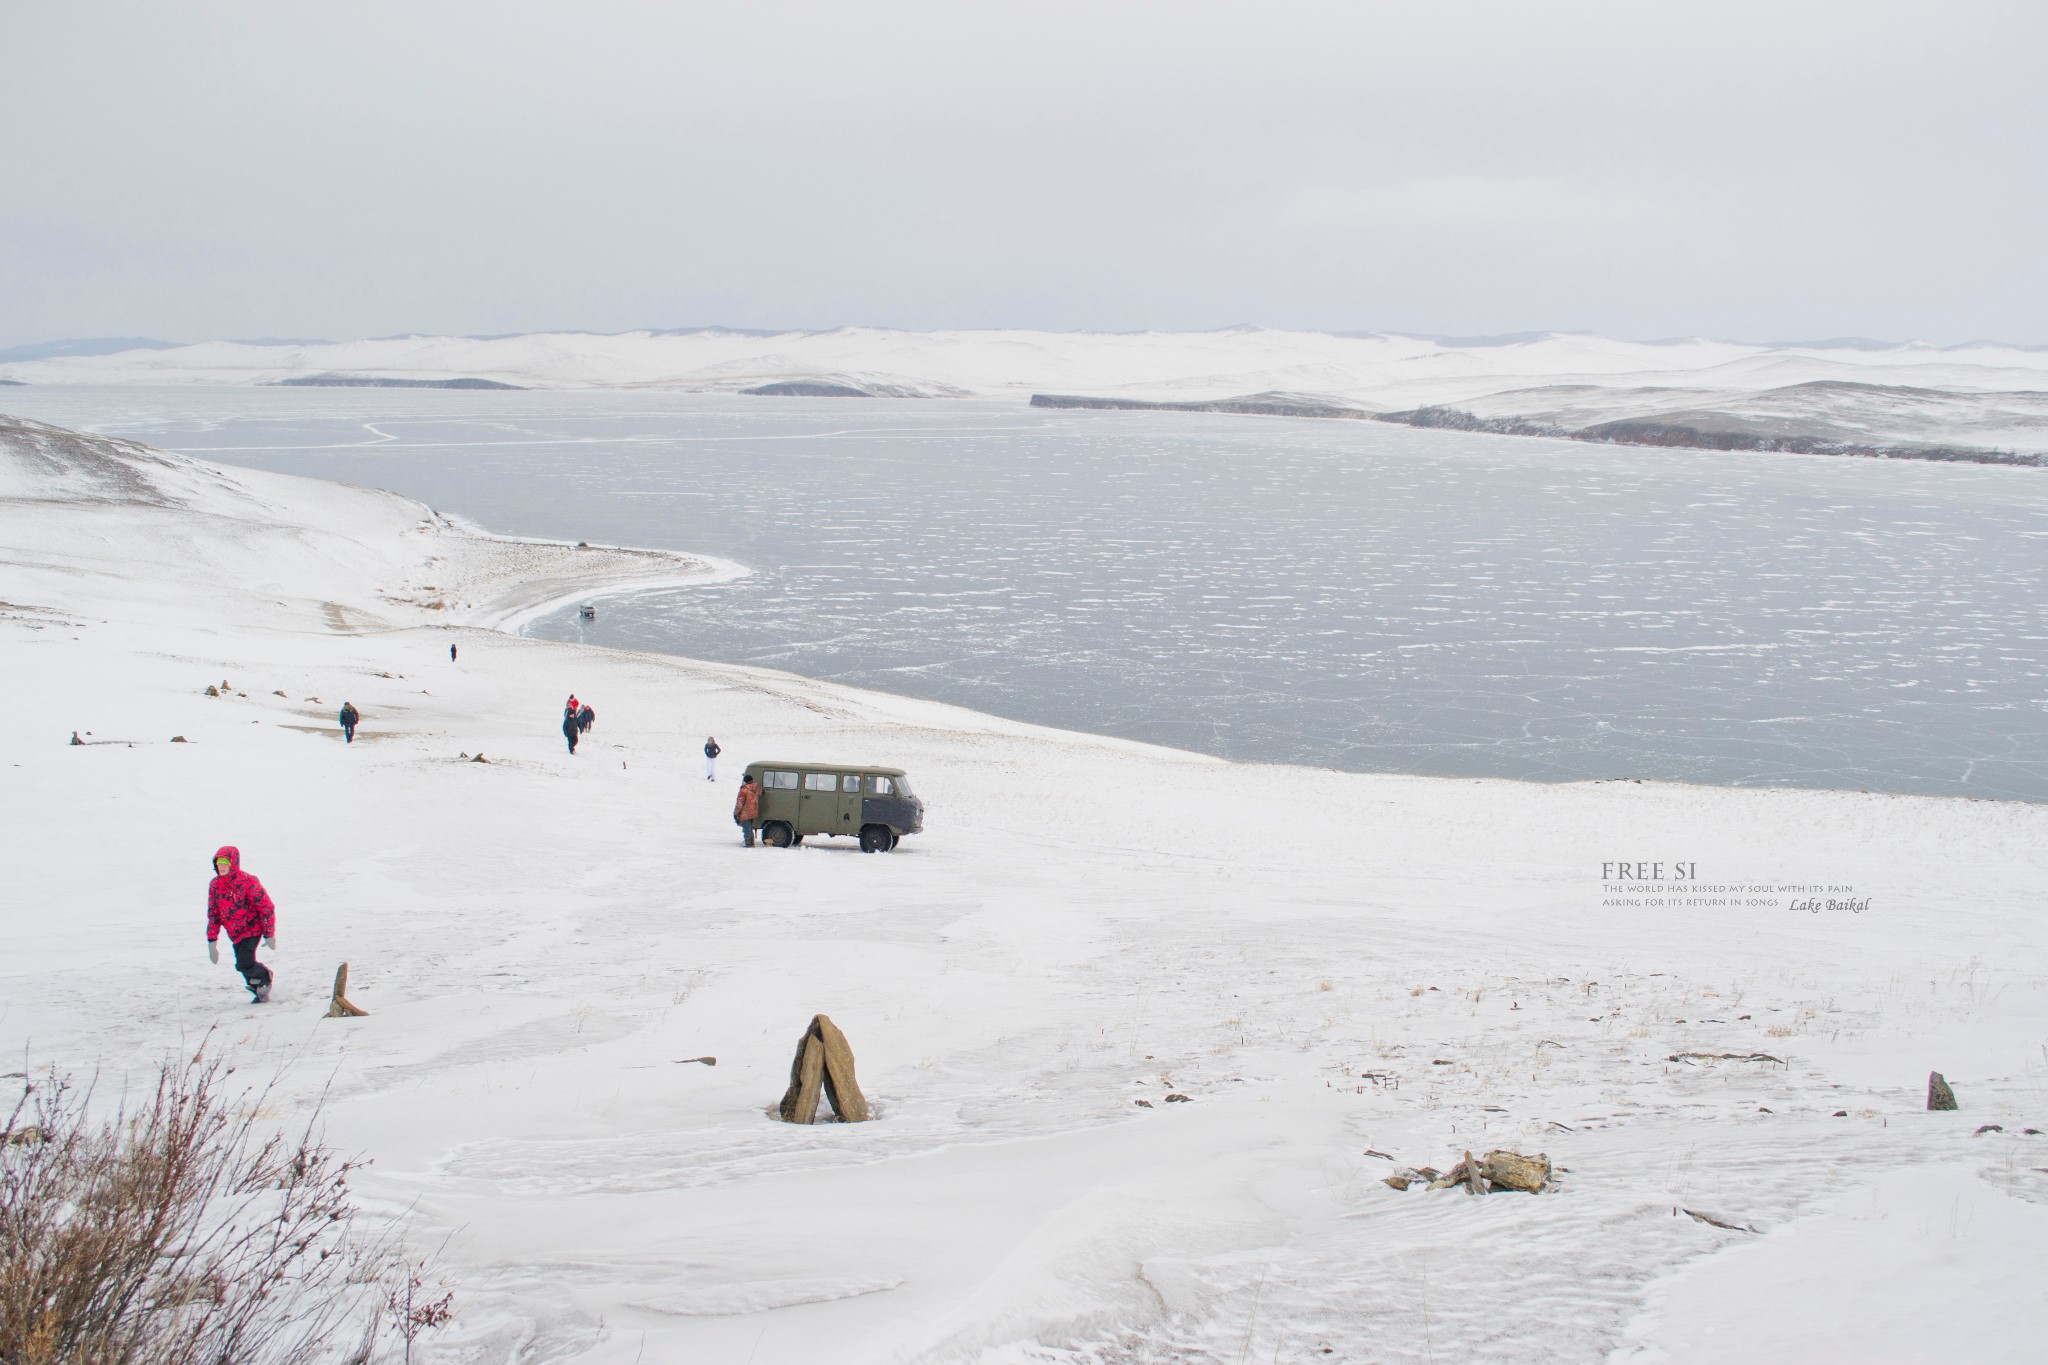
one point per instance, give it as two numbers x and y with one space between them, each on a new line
1767 171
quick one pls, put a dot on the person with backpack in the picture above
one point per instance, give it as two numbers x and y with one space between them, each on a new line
746 810
350 719
237 903
569 729
711 753
585 718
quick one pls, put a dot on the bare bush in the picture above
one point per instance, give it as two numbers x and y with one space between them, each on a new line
179 1232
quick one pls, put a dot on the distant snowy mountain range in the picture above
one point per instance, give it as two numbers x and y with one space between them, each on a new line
1975 401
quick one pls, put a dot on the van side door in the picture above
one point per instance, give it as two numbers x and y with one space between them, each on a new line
818 808
849 804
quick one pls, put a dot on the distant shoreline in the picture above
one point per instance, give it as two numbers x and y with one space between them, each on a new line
367 381
1628 431
1686 436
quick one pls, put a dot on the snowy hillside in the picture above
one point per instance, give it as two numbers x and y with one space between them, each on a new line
1980 396
1341 976
110 526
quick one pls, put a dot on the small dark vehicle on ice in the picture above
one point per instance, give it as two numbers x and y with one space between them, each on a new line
873 805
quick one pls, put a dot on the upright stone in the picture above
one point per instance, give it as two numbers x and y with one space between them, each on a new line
1939 1096
840 1086
800 1101
339 1007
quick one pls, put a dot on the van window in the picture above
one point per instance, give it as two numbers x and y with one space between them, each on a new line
849 784
821 782
881 786
785 781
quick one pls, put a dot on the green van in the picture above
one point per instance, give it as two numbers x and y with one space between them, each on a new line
874 805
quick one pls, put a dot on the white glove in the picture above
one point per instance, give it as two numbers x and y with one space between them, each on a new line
213 952
270 942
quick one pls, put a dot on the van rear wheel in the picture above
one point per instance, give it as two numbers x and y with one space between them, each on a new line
775 834
876 839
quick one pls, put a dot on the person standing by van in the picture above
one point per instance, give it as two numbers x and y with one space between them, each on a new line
746 810
237 902
350 719
711 753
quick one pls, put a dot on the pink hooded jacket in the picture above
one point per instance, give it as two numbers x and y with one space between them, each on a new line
237 902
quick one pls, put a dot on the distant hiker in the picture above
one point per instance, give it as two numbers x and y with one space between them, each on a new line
711 753
350 719
584 720
573 706
746 811
237 902
75 739
451 654
569 730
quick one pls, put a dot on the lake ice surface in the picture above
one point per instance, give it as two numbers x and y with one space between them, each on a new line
1350 594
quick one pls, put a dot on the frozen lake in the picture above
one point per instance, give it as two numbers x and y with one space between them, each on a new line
1348 594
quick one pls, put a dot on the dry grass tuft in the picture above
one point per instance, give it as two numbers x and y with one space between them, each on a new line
179 1231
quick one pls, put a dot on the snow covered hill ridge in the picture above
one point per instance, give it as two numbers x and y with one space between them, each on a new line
1855 397
1382 371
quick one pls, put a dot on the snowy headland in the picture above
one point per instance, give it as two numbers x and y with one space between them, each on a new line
1714 1010
1975 401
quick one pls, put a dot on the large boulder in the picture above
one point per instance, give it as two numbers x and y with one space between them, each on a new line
823 1065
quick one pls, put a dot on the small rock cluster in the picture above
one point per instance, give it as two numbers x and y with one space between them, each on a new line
1496 1171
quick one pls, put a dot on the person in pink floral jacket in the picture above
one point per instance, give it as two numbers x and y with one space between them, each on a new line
237 902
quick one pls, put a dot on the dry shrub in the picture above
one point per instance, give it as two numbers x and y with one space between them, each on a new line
178 1232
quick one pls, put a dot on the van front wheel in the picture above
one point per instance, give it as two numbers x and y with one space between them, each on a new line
876 839
775 834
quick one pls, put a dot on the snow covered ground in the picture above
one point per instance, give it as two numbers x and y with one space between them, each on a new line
1981 396
1329 966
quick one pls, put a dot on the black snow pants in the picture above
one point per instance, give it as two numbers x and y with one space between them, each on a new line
569 733
348 734
253 972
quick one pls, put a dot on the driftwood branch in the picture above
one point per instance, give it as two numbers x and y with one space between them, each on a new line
1712 1221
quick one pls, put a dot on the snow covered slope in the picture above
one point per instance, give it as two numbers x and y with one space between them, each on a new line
1980 396
107 526
1330 967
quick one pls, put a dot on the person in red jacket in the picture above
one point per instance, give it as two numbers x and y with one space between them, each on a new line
237 902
